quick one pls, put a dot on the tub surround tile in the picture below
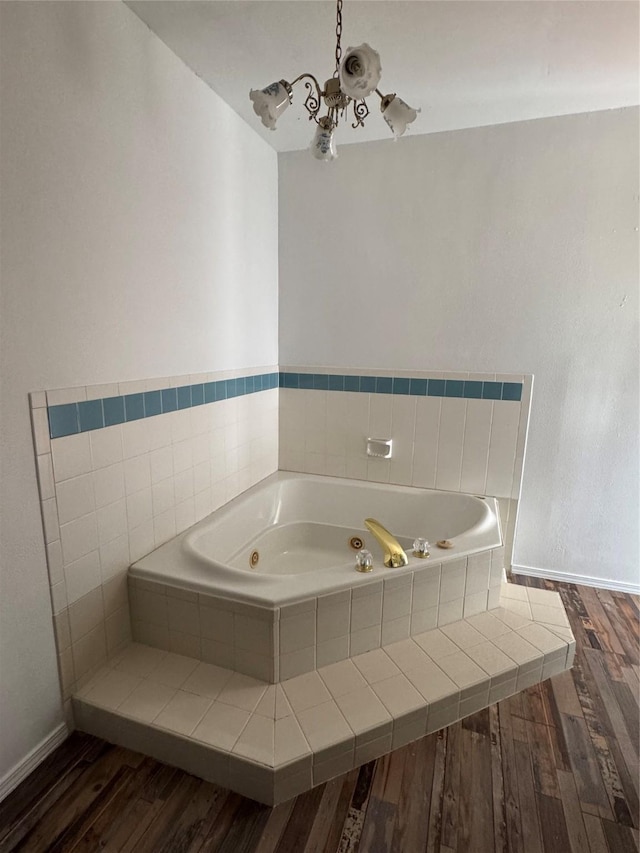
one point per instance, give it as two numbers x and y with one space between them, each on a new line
279 739
101 475
221 726
207 680
146 701
341 678
306 691
183 712
376 665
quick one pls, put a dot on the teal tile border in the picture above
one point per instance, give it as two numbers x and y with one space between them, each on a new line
467 389
73 418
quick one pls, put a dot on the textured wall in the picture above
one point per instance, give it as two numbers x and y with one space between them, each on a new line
509 249
139 239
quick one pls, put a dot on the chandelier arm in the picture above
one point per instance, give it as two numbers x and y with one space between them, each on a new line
311 77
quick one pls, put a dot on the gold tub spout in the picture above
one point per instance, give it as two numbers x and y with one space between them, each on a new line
394 556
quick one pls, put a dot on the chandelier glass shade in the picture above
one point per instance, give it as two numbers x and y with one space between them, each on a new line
356 76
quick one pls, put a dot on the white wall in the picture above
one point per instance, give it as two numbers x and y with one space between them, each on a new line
511 249
139 239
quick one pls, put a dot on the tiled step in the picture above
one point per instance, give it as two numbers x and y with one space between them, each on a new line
273 741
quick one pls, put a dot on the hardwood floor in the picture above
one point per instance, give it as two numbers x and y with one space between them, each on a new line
551 770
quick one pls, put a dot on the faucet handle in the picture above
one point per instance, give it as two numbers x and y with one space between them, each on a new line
364 561
420 547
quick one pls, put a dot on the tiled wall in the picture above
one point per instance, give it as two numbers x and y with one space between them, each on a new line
460 432
274 644
123 468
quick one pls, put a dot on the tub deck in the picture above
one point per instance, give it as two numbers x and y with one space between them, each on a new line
271 742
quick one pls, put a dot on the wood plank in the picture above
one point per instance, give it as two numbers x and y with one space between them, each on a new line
274 827
379 822
626 631
554 729
595 834
510 782
193 823
25 804
607 635
354 820
224 821
334 830
576 828
554 828
23 824
299 825
619 838
437 792
585 766
531 834
533 705
178 797
542 760
451 798
118 813
475 830
621 733
324 816
412 816
565 695
248 823
76 799
497 783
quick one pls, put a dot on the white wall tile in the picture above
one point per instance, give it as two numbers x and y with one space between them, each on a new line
71 456
108 484
185 515
502 448
380 415
82 576
450 443
135 438
45 476
183 485
62 396
40 428
79 538
475 453
137 473
50 520
75 498
141 540
452 585
114 557
98 392
158 432
139 508
59 597
112 521
427 431
38 399
163 497
54 562
106 446
164 527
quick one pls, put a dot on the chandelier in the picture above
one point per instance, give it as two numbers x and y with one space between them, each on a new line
354 79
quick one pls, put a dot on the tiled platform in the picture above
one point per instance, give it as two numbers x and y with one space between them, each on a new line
273 741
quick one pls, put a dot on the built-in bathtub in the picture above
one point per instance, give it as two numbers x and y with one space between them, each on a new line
267 585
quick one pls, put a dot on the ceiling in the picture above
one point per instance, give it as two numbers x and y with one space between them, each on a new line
464 64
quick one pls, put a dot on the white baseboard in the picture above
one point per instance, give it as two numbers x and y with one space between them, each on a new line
584 580
13 778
